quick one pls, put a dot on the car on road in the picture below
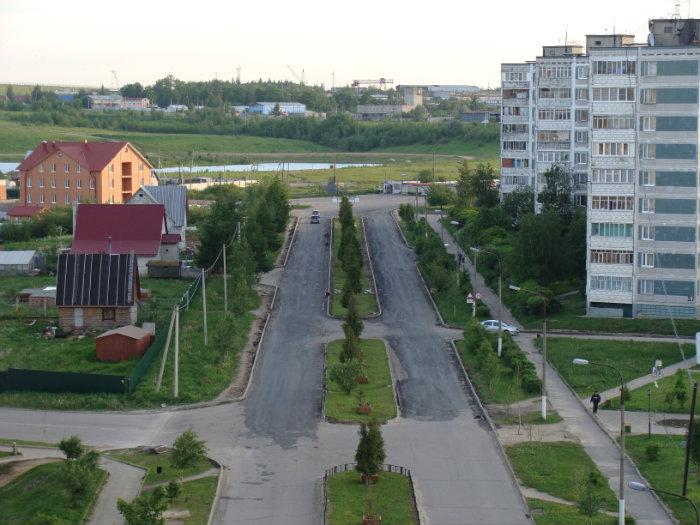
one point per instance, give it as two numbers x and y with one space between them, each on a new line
492 326
315 217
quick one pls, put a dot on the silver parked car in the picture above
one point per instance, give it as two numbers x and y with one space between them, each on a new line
492 326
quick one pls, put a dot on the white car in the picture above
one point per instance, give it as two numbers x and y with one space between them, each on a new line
491 326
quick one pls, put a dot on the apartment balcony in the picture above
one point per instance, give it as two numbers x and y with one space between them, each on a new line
609 296
515 102
515 119
553 102
558 146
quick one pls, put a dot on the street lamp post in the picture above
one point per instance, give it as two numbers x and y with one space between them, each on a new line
544 347
500 298
635 485
621 508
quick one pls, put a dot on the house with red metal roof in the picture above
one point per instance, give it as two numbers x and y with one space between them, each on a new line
123 229
62 173
19 213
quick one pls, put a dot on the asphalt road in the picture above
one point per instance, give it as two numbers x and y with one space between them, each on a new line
275 446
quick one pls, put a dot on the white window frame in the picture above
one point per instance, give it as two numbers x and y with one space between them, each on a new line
648 123
53 198
41 182
66 183
41 199
645 285
647 260
647 205
77 168
66 200
79 184
648 178
66 168
92 184
53 167
41 168
29 198
646 233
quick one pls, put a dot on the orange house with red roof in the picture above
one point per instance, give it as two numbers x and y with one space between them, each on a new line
63 173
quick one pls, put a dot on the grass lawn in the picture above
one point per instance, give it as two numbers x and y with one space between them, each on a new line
505 390
37 494
9 286
548 513
633 358
379 392
485 151
4 454
638 399
204 370
20 442
366 302
667 472
150 461
391 497
196 496
560 469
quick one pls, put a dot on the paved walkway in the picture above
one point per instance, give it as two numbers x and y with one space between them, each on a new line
598 444
124 482
639 421
649 378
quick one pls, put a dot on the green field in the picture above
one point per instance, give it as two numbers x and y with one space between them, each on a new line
639 398
391 497
559 469
667 472
548 513
150 461
452 147
633 358
366 301
204 370
379 392
36 497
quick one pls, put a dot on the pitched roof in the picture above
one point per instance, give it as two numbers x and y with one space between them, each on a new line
173 197
131 331
92 155
135 229
16 256
97 280
170 238
25 211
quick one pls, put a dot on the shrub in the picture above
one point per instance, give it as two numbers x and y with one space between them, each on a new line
345 374
531 383
72 447
407 213
188 449
474 334
651 452
370 454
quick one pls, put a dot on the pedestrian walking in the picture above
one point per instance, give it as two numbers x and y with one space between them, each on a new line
595 400
658 365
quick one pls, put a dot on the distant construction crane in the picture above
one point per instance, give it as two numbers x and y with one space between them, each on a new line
116 80
381 81
300 79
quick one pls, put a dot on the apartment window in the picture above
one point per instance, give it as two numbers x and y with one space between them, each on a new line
581 93
77 199
29 198
553 156
554 114
41 199
505 128
53 182
66 183
92 184
604 202
612 176
612 122
580 158
109 314
582 116
645 286
509 111
611 257
66 200
554 72
607 229
648 96
514 146
581 137
613 94
582 72
614 67
53 167
53 198
646 205
79 183
648 123
553 136
515 163
41 168
647 178
646 233
612 149
557 93
140 166
647 151
649 69
611 283
111 168
646 260
66 168
77 168
41 182
111 183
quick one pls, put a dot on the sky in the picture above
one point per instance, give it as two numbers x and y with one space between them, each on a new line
80 42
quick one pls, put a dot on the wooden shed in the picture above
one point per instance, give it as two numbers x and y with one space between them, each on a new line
120 344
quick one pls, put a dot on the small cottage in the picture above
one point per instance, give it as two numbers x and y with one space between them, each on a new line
120 344
97 291
20 262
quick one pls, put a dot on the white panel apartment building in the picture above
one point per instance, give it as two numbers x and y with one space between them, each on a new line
640 147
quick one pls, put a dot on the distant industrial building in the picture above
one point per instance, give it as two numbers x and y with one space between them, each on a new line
286 108
112 101
482 117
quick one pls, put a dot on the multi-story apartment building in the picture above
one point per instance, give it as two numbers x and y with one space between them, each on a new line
63 173
628 131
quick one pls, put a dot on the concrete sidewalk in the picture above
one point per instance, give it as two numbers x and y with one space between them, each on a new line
639 421
598 444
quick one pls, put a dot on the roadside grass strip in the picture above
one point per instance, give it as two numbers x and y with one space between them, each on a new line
550 513
151 461
666 472
197 497
391 497
37 497
340 407
633 359
560 469
366 301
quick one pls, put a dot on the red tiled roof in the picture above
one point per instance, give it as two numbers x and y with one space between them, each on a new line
171 238
131 228
93 156
25 211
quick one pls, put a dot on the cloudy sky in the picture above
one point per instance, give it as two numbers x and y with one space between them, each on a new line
443 42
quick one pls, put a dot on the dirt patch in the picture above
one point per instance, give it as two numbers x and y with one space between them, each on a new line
675 423
513 434
17 468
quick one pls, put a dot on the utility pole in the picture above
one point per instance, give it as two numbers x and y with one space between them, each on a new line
204 306
176 379
225 283
689 442
649 413
165 350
